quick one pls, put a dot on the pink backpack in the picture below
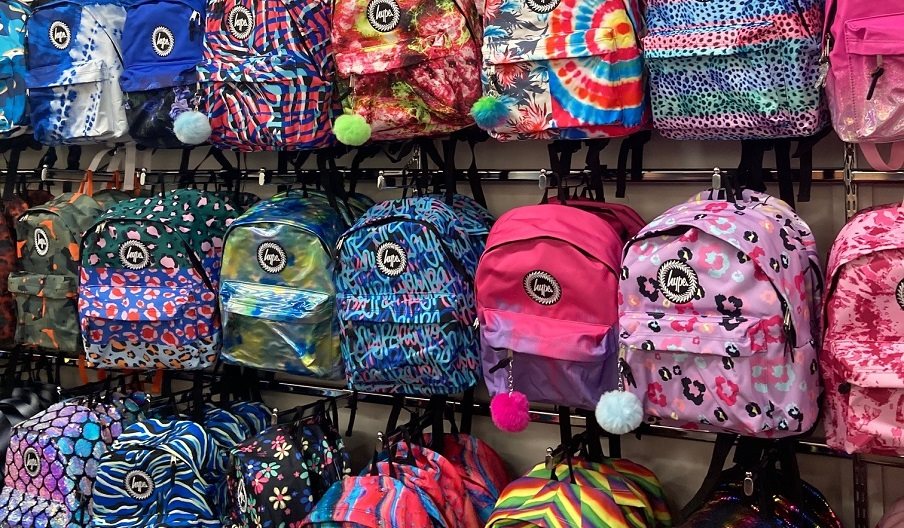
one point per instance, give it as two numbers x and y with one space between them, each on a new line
863 352
546 303
717 325
866 69
620 217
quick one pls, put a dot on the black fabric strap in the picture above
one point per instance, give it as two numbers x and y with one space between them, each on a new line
197 396
804 153
783 169
393 421
448 168
438 414
474 174
721 449
467 411
12 173
750 169
593 434
595 148
565 425
632 146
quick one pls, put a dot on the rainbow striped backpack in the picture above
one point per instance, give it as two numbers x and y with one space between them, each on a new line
561 70
730 70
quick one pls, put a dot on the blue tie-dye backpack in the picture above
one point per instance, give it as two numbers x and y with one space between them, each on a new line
277 294
159 474
405 295
13 116
74 65
161 57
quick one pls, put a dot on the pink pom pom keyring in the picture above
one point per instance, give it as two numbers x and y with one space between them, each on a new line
510 411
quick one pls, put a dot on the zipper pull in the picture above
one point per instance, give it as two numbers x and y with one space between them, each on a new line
748 484
824 62
476 324
194 25
877 73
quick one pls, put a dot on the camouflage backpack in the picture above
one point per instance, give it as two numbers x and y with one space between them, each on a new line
45 290
149 281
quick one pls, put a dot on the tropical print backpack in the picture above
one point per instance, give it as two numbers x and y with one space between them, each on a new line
547 305
269 74
149 281
13 108
74 64
158 474
570 70
52 462
410 68
277 294
717 327
865 67
861 356
46 289
405 293
724 70
160 58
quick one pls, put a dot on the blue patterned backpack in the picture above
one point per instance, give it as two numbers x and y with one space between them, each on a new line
405 294
13 115
74 64
161 57
277 294
159 474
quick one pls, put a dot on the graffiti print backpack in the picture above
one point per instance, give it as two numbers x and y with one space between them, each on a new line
570 70
861 356
149 281
547 305
46 288
277 294
865 67
410 68
158 474
269 74
51 464
74 64
160 59
405 294
724 70
13 108
716 325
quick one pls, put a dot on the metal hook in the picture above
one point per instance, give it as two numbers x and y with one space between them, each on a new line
381 181
262 177
717 178
44 172
142 176
541 181
274 416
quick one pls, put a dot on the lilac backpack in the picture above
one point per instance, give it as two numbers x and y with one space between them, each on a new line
719 318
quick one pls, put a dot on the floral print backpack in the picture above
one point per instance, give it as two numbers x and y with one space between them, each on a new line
717 325
410 67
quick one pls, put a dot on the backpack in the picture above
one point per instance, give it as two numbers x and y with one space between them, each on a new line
861 357
158 474
268 74
277 294
46 289
563 71
149 282
723 70
580 493
547 304
716 326
865 67
410 70
51 464
74 64
13 107
405 292
372 500
160 67
622 218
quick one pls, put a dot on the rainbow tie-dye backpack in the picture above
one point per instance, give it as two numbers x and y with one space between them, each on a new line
561 70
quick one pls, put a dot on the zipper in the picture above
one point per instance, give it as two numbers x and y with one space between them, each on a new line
581 250
456 263
160 500
326 247
801 15
875 75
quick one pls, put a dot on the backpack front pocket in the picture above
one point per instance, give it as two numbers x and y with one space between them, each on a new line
46 306
560 362
409 345
140 327
12 93
748 82
279 328
737 374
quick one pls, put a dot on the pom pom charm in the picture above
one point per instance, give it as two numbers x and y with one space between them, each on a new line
509 411
619 412
352 130
489 112
192 127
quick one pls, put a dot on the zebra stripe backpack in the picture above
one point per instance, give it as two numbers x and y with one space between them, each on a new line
269 74
74 65
405 295
13 108
158 474
149 281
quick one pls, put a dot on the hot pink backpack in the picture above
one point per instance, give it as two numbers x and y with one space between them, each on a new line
866 71
718 329
863 352
547 289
